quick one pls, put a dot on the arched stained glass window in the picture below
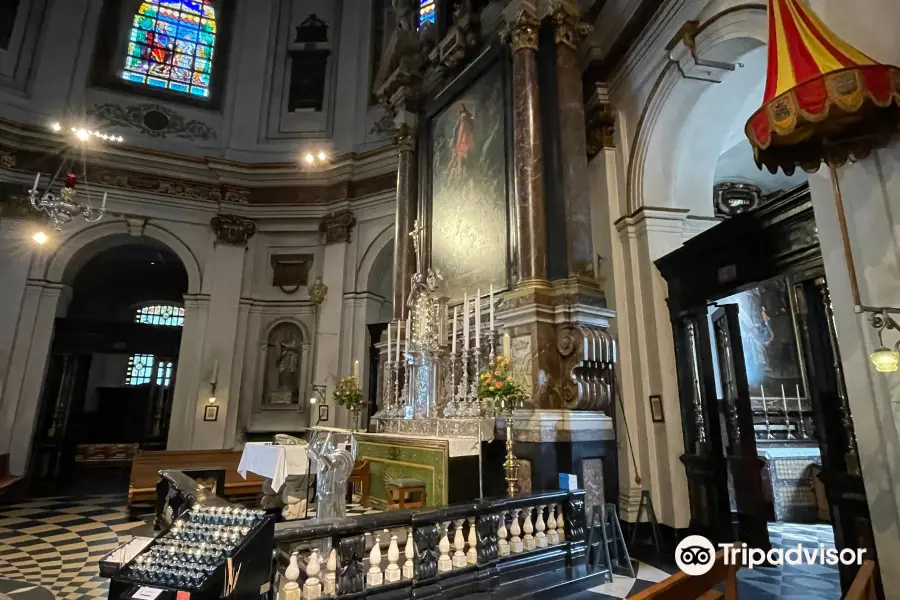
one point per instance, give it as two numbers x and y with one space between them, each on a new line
160 314
171 46
426 12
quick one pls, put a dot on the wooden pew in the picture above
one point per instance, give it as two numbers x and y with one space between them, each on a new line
682 586
863 586
146 466
9 483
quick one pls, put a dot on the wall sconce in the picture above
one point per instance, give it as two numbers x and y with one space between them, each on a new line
315 158
212 383
884 359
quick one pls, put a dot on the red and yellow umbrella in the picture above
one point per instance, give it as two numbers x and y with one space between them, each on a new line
824 100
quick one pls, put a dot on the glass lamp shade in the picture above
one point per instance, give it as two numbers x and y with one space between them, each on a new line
885 360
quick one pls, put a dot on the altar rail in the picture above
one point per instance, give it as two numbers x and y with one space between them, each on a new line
500 546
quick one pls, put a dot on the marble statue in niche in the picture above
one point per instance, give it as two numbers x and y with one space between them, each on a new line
283 360
469 222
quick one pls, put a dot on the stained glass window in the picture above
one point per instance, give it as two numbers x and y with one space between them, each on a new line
140 369
171 46
160 314
426 12
163 373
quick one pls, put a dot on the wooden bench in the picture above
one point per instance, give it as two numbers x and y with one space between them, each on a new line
146 466
863 586
106 455
682 586
359 475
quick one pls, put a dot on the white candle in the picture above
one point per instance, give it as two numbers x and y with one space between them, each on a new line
397 357
408 330
492 309
478 318
507 345
389 342
103 204
356 369
37 181
466 321
453 340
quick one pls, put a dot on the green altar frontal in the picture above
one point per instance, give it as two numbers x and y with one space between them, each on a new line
448 467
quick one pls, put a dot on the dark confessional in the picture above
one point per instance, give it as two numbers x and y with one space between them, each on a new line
767 427
111 373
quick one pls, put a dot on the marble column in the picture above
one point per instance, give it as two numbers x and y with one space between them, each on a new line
570 31
337 228
528 180
407 208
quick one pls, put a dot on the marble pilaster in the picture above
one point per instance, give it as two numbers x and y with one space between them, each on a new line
570 30
528 178
188 376
407 208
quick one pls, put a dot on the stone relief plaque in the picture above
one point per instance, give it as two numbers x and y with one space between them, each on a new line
469 188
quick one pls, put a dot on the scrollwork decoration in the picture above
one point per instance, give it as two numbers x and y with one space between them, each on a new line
425 560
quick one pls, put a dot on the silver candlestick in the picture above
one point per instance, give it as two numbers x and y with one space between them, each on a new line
769 435
787 422
803 434
395 401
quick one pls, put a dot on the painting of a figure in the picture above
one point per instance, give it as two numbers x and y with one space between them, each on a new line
769 340
469 188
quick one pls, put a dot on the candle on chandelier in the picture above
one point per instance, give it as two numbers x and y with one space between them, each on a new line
389 342
478 318
37 181
103 204
356 369
466 321
492 309
453 339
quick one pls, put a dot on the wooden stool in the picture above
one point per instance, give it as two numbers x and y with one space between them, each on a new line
406 493
360 475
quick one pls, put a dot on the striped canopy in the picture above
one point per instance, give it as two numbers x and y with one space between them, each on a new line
824 100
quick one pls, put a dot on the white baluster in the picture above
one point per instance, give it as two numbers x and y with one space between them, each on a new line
528 528
552 533
375 576
515 542
502 542
561 526
445 563
312 589
291 589
408 553
459 542
331 574
392 573
540 538
472 554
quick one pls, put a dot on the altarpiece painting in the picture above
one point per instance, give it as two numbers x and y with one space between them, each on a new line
469 187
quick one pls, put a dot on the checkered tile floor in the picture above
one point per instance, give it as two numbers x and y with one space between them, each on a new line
353 509
56 543
802 582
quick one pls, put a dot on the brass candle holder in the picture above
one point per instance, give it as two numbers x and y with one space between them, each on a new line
511 464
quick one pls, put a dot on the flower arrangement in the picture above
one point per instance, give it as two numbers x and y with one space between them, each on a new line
498 383
347 393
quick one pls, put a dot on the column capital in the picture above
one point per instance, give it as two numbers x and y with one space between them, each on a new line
405 138
337 227
521 33
570 28
232 230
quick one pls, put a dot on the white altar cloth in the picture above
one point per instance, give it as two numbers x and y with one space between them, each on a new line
273 461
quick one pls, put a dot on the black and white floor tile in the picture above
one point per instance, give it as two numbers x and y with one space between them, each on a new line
782 583
53 546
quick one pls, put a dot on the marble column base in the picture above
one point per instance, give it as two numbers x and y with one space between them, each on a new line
312 589
459 559
445 564
392 573
408 570
529 542
516 546
374 577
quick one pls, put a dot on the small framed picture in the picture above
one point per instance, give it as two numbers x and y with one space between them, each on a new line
323 412
211 413
656 409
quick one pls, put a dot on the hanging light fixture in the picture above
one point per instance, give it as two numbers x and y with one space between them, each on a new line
63 206
825 101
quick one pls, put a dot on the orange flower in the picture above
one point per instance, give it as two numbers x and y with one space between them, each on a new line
499 385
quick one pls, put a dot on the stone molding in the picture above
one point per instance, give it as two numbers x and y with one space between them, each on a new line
557 425
600 121
153 120
232 230
337 227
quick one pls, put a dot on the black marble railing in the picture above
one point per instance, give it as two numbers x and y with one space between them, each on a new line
493 544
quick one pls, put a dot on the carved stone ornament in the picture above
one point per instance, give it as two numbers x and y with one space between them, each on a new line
337 227
232 229
153 120
317 292
600 125
462 39
405 138
570 29
735 198
291 271
522 33
7 160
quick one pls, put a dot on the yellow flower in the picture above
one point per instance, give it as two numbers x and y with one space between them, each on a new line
509 379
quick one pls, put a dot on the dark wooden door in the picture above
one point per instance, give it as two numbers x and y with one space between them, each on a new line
744 465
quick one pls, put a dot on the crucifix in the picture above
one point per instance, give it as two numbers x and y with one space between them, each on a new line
418 237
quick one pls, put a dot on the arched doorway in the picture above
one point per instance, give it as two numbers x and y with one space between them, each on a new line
110 378
379 288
